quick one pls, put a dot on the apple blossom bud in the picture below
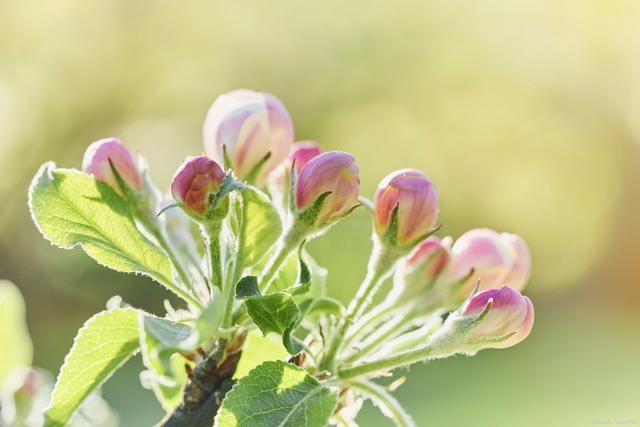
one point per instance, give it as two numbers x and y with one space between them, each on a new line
510 314
302 152
429 259
110 151
494 258
416 200
333 175
195 183
250 126
417 276
518 277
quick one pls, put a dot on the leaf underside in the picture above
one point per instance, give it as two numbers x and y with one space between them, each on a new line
103 344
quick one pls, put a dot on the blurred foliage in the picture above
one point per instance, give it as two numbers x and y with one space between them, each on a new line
525 114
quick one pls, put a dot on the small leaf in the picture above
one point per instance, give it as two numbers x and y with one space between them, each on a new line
325 305
247 287
276 313
73 209
277 394
304 279
210 318
286 276
161 340
103 344
262 226
13 332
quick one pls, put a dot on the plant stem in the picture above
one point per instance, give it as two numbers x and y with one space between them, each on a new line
211 233
289 241
228 290
428 352
387 403
380 265
392 328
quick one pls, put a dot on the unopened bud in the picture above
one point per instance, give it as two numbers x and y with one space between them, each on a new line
195 184
411 197
249 126
329 183
108 153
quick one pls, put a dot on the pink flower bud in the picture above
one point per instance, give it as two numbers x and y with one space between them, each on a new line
97 159
495 259
251 125
430 258
194 182
302 152
333 172
518 277
510 313
417 202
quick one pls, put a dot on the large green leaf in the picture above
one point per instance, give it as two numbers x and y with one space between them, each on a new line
14 336
277 394
262 226
74 209
103 344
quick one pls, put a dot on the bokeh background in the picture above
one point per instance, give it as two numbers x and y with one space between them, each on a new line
526 115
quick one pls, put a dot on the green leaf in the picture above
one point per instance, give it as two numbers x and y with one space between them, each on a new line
286 275
161 340
258 349
277 394
13 332
103 344
210 317
276 313
325 305
304 280
247 287
73 209
262 226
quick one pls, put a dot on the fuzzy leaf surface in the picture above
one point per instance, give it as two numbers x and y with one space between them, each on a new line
73 209
277 394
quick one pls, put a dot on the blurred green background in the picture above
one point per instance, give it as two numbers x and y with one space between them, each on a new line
525 114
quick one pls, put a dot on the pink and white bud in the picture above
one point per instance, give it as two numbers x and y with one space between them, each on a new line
335 173
417 276
510 313
302 152
249 125
416 200
99 157
518 277
194 184
429 259
483 251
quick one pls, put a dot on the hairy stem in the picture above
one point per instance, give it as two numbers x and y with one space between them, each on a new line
211 235
387 403
425 353
380 266
289 241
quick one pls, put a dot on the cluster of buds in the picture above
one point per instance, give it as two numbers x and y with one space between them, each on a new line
442 275
249 142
